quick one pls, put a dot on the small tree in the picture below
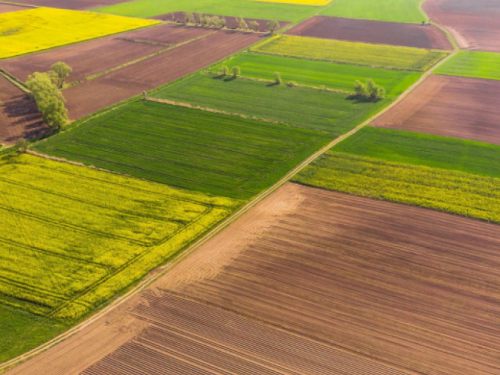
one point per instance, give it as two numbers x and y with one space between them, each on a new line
369 90
224 70
273 25
189 18
200 18
59 72
360 88
277 78
291 84
21 145
254 25
222 22
236 71
242 24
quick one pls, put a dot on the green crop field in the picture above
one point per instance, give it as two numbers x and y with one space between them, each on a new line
230 8
332 112
472 64
403 11
78 236
440 189
422 149
22 331
213 153
318 73
389 57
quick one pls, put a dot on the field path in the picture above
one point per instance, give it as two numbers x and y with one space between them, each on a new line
79 347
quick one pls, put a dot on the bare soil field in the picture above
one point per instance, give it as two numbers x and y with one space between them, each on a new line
375 32
19 115
167 34
454 107
7 8
231 22
121 84
475 24
71 4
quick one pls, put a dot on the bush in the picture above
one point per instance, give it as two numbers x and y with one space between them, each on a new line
188 17
222 22
254 25
236 71
22 145
242 24
369 90
291 84
277 78
224 70
273 25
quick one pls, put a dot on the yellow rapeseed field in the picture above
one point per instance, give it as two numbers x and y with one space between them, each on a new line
301 2
42 28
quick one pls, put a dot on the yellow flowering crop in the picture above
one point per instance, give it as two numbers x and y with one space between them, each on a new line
42 28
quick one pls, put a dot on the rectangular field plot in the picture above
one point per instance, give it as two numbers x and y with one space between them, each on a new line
313 282
376 32
331 112
193 149
472 64
300 2
454 107
71 4
7 8
318 73
401 58
73 237
42 28
439 189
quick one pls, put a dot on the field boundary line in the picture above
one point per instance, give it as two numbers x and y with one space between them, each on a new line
9 77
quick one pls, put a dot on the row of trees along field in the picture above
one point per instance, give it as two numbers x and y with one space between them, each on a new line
215 21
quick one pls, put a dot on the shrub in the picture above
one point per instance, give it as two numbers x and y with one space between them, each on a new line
291 84
236 71
222 22
277 78
22 145
273 25
224 70
242 24
369 90
188 17
254 25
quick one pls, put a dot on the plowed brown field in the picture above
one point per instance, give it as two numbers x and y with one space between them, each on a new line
375 32
450 106
121 84
231 22
99 55
19 116
7 8
475 24
71 4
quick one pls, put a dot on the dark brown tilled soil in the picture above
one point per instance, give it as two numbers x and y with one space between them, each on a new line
71 4
167 33
375 32
454 107
7 8
475 24
19 116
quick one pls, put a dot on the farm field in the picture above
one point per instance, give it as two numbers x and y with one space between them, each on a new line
472 64
21 31
301 2
335 113
438 189
423 149
132 80
375 32
402 58
71 4
105 53
403 11
475 24
454 107
230 8
311 282
318 73
96 233
208 152
7 8
19 116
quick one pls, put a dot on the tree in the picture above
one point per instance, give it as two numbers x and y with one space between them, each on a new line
200 18
49 99
369 90
242 24
224 70
21 145
254 25
236 71
188 17
59 72
273 25
277 78
360 88
222 22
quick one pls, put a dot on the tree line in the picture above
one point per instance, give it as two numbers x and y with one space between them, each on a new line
214 21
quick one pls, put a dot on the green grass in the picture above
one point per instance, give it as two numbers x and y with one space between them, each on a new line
318 73
188 148
336 113
372 55
22 331
230 8
403 11
77 236
422 149
472 64
439 189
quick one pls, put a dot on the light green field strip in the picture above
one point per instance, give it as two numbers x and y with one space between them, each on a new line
318 73
388 57
230 8
472 64
439 189
403 11
96 233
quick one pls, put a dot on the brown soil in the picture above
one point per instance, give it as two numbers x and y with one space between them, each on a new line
167 34
454 107
132 80
71 4
7 8
375 32
475 24
19 116
231 22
